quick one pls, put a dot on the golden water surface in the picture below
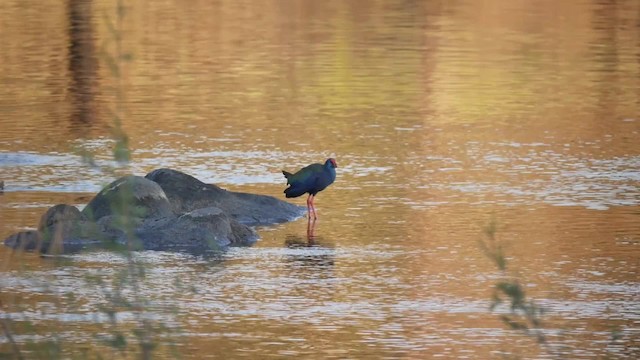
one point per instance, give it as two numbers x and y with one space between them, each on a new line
443 116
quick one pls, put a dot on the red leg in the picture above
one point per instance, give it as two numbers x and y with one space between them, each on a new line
313 207
309 206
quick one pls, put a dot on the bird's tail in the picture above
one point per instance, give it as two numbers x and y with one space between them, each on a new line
287 175
293 191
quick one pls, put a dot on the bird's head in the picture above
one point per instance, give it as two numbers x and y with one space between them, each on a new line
331 162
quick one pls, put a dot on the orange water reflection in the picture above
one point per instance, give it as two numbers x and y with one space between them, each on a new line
442 115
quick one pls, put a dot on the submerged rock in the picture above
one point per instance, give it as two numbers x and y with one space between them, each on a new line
29 240
62 229
166 210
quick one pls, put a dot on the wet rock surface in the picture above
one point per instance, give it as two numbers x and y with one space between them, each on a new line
167 210
187 193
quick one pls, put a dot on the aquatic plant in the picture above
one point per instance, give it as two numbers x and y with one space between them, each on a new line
523 315
122 291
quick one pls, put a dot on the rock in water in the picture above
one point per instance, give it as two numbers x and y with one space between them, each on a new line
199 230
131 196
168 210
187 193
29 240
61 229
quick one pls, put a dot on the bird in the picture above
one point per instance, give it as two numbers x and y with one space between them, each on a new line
310 179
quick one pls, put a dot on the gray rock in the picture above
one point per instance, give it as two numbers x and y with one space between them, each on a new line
168 211
59 215
116 230
62 229
198 231
59 224
131 196
187 193
29 240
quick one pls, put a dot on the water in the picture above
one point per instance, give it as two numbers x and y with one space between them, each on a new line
442 117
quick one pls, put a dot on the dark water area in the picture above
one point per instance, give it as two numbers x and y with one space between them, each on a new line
443 117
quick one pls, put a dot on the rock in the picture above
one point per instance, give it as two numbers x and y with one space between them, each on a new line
62 228
168 210
59 220
187 193
112 230
25 240
198 231
131 196
58 214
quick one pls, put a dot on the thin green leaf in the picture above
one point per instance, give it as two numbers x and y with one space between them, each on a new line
121 10
111 27
111 63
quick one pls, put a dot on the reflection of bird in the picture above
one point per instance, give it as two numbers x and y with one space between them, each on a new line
297 241
314 256
310 179
311 227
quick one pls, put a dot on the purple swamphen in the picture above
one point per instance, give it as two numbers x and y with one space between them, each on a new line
311 179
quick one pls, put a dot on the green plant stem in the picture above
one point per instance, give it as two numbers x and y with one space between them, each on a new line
7 332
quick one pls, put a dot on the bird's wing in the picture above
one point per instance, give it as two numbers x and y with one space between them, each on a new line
306 175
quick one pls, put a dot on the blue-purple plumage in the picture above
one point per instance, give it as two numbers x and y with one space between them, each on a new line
310 179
